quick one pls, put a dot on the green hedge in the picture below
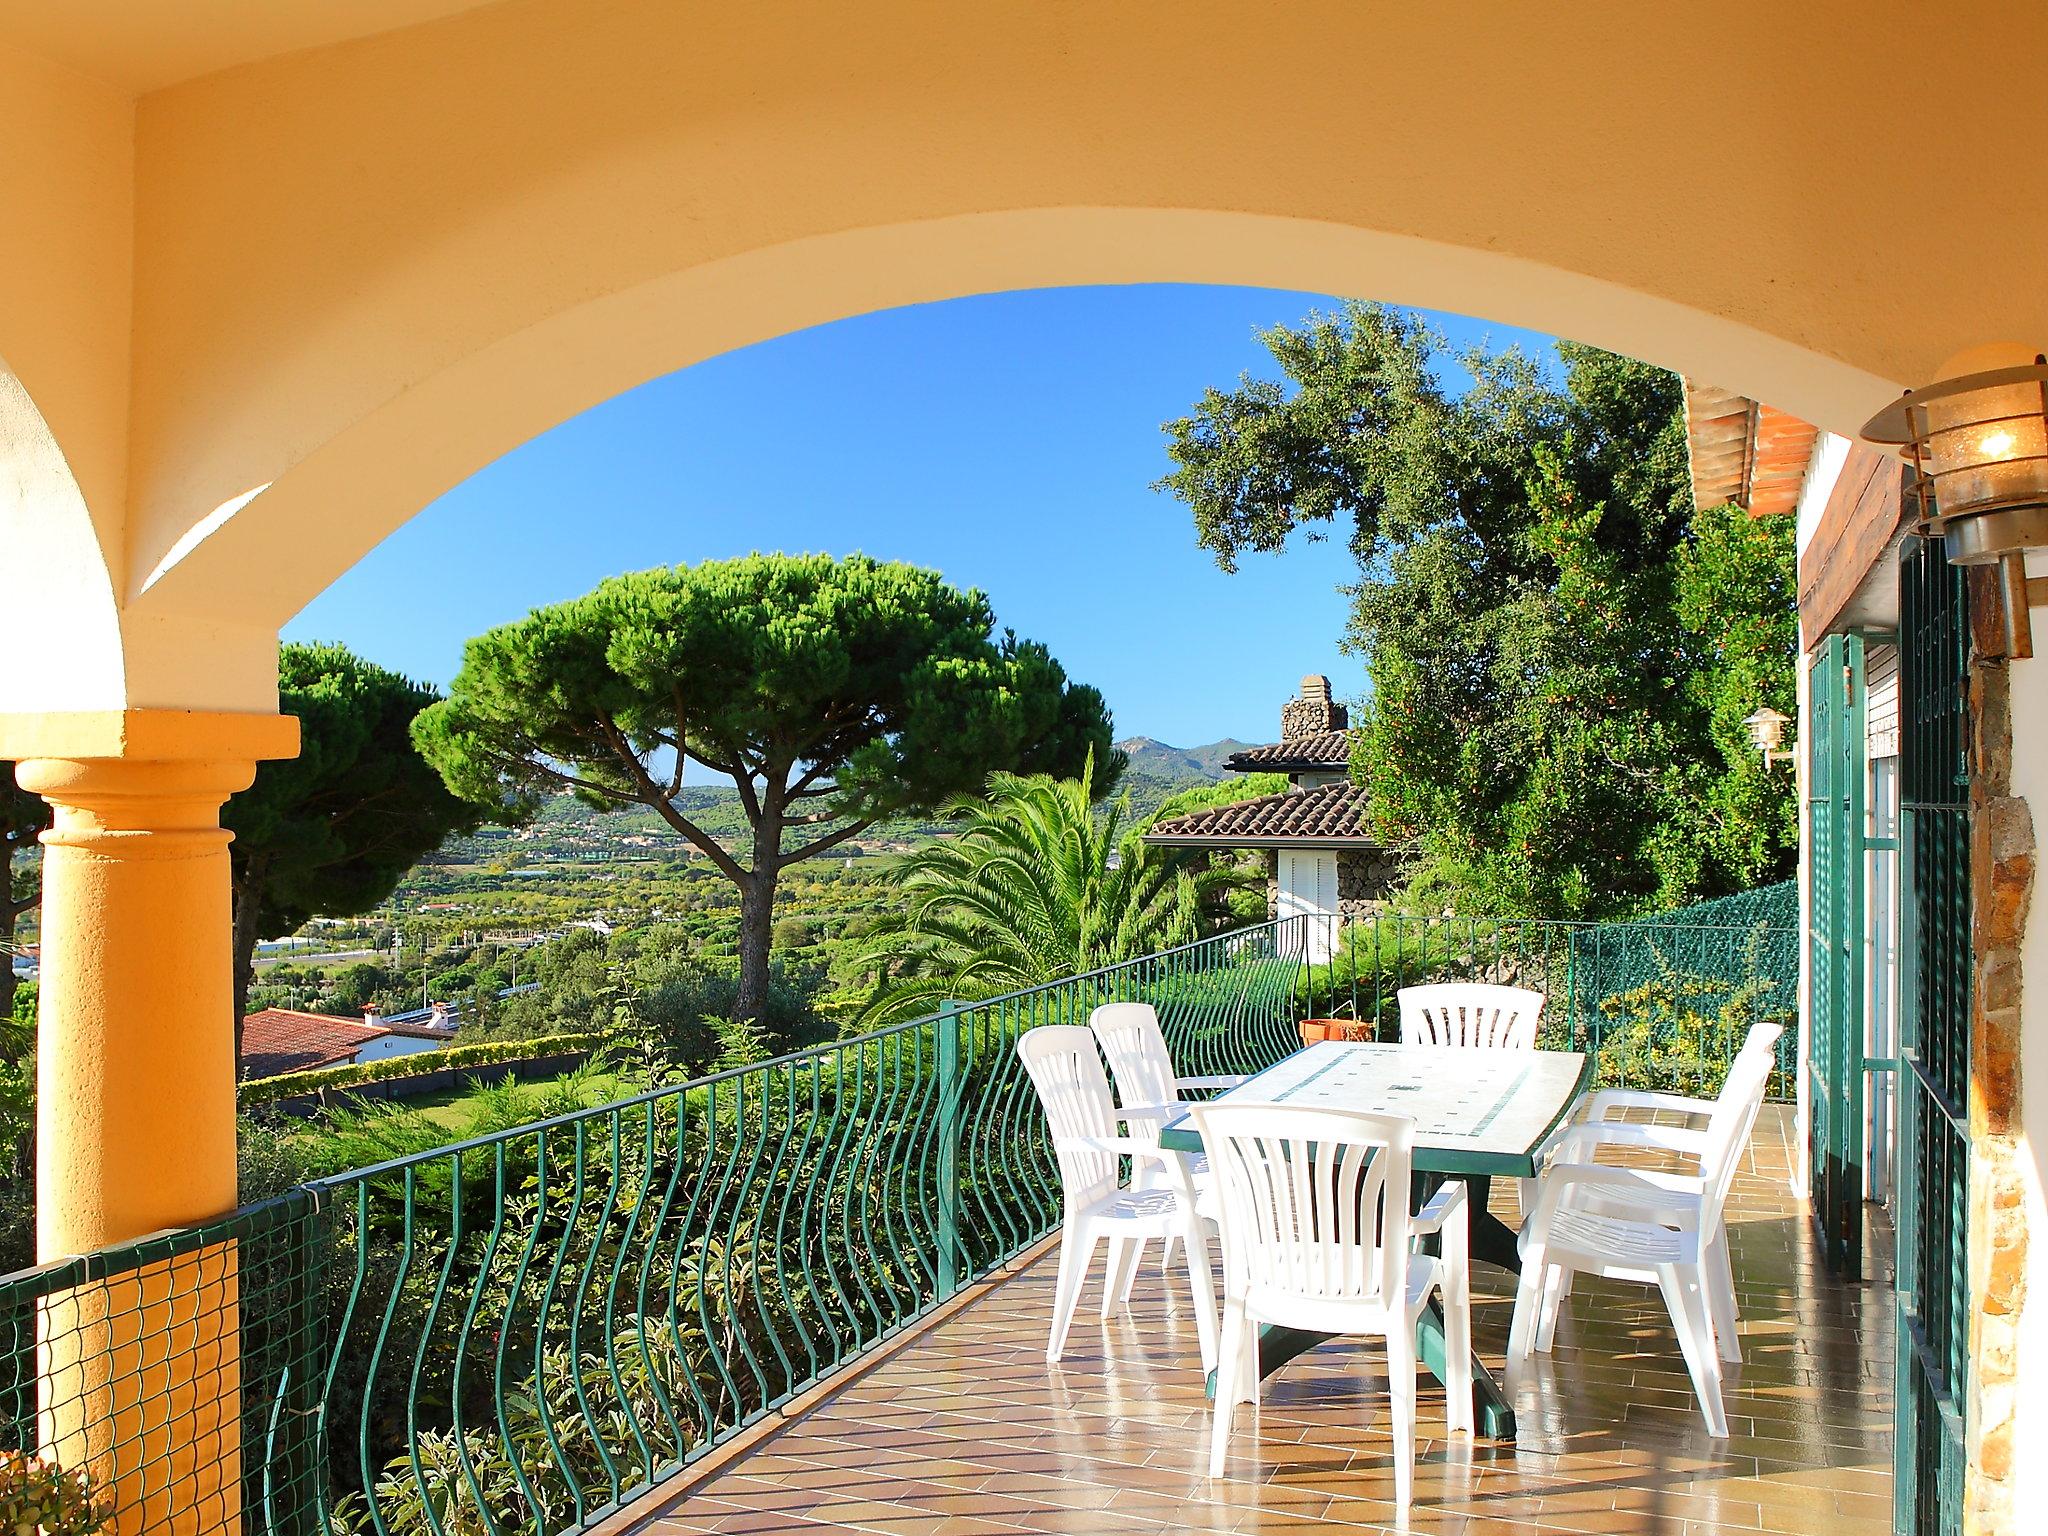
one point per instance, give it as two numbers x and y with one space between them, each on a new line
487 1053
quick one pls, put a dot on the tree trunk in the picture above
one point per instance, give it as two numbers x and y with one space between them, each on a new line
248 903
8 913
757 916
757 910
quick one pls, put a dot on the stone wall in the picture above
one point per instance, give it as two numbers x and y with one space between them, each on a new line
2001 879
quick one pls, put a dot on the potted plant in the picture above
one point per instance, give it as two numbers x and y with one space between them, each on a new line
1314 1030
38 1495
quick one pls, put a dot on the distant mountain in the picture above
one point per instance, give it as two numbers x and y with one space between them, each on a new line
1177 764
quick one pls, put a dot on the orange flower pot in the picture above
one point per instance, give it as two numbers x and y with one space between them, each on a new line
1314 1030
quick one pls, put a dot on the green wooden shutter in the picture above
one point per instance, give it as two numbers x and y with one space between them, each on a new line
1837 775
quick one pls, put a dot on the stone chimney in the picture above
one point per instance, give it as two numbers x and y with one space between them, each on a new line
1312 713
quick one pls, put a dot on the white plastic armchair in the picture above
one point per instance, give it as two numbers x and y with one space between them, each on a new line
1148 1093
1074 1091
1717 1148
1600 1105
1131 1038
1589 1125
1316 1234
1471 1014
1148 1096
1663 1228
1657 1242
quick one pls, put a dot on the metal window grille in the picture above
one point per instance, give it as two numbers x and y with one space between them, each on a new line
1934 1137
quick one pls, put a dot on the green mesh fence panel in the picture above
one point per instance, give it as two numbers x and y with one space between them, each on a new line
523 1332
1666 1000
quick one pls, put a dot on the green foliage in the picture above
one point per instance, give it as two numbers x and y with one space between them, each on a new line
657 991
40 1498
741 1043
1558 645
292 1085
834 692
792 933
1036 885
270 1156
1680 1029
22 818
364 1133
333 830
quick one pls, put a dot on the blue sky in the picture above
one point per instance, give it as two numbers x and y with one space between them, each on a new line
1009 441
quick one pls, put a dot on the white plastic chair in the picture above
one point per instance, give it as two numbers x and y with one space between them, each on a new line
1148 1095
1655 1228
1595 1107
1131 1038
1313 1210
1072 1087
1731 1118
1475 1015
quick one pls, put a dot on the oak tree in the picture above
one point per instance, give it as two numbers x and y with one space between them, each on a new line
1560 648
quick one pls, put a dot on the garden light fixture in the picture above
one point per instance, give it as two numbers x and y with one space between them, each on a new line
1978 436
1766 730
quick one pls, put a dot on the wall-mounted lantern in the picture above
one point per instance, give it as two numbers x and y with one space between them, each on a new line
1977 435
1766 731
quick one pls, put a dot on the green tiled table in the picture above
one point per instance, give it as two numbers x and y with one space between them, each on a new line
1477 1114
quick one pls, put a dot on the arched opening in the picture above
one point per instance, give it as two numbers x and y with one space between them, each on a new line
268 549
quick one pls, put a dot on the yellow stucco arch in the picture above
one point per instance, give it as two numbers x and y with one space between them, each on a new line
351 274
325 511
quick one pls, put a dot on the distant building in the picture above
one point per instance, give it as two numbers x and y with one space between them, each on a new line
277 1040
1320 860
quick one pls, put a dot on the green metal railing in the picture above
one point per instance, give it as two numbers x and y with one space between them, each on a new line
524 1331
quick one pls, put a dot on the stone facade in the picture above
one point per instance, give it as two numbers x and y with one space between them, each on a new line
2001 880
1314 712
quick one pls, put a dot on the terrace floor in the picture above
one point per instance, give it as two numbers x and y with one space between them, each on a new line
965 1431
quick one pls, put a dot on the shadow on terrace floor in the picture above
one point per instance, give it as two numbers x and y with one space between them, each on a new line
965 1431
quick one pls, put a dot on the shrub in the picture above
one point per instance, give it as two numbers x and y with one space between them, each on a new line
292 1085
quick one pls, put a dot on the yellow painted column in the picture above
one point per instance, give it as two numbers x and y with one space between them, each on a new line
135 1099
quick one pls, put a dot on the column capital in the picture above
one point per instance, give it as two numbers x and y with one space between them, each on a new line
152 735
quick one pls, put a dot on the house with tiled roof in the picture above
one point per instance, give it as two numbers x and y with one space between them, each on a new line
279 1040
1320 859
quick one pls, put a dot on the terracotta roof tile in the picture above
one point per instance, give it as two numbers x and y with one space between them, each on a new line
1325 749
278 1040
1745 452
1328 816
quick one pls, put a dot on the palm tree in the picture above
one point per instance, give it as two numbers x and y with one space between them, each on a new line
1038 884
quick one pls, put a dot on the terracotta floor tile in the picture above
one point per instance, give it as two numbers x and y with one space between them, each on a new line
967 1432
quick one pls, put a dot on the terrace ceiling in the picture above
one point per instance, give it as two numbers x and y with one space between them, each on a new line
270 280
144 45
